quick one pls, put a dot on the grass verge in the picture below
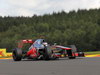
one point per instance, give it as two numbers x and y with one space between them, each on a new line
93 52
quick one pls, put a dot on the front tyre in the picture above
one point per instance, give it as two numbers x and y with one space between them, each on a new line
71 55
47 53
17 54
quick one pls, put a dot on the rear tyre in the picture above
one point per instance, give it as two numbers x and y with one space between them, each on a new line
17 54
47 53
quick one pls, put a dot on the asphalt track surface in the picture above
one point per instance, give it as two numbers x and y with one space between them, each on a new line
63 66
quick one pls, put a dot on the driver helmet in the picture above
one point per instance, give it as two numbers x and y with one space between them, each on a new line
45 43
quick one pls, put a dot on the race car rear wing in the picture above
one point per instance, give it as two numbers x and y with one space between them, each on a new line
27 41
22 42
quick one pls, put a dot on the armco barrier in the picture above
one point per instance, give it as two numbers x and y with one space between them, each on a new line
3 53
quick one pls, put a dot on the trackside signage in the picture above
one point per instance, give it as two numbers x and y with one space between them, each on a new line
3 53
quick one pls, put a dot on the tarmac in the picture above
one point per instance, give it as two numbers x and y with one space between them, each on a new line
63 66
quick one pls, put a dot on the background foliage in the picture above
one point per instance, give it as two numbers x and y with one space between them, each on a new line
81 28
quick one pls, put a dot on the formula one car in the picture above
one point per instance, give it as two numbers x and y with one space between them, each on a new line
40 49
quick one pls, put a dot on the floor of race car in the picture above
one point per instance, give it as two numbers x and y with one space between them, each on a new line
63 66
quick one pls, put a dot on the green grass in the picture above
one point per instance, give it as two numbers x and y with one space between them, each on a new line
93 52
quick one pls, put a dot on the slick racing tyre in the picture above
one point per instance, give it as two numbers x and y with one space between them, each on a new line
47 53
71 55
17 54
